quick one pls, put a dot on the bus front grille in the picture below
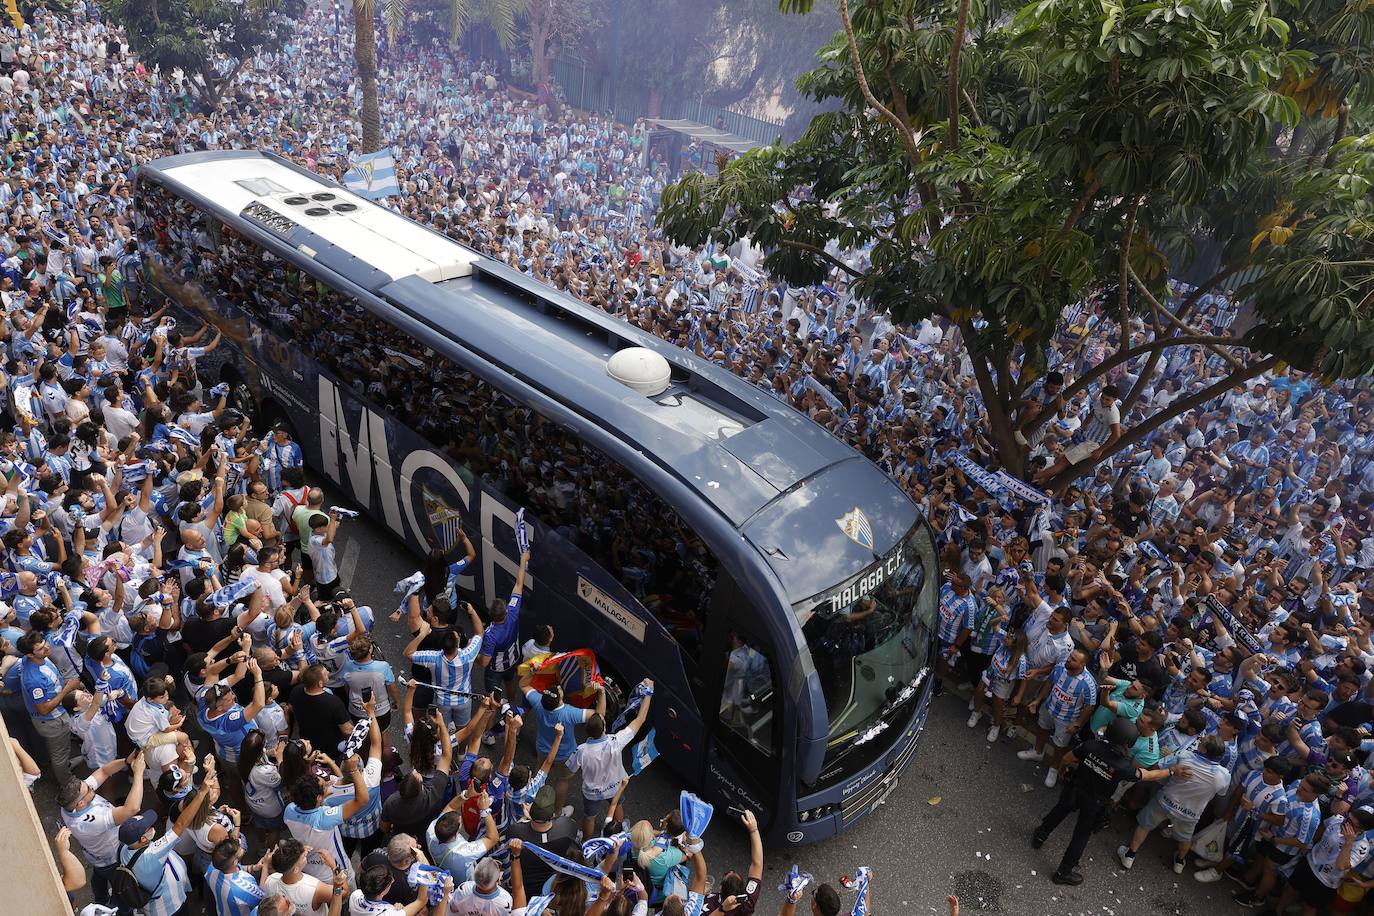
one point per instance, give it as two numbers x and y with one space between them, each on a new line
864 800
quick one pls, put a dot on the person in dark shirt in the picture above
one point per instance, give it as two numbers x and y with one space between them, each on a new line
200 633
420 796
1100 766
1140 662
400 852
556 834
739 895
272 673
321 717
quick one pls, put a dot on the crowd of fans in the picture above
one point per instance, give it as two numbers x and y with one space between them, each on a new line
173 602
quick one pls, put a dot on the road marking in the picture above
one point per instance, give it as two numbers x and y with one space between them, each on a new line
350 561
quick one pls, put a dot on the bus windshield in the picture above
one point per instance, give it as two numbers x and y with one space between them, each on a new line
870 641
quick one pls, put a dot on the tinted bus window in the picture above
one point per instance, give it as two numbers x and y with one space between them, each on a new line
567 484
746 698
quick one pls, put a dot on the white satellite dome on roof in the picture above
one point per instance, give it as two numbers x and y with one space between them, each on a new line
640 369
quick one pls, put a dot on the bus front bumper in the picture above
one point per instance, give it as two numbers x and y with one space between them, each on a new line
835 810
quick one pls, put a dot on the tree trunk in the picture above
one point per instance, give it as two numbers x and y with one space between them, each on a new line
540 33
956 46
1010 452
655 103
365 59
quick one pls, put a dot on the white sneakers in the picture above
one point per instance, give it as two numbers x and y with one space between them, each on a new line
1125 857
974 718
1051 778
1030 753
1207 876
994 733
1180 864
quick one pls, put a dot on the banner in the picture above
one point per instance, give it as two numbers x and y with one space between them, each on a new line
1239 631
564 866
1022 490
980 476
824 393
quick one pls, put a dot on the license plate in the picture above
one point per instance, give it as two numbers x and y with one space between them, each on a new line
887 791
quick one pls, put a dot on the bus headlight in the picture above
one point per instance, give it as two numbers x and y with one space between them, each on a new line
814 814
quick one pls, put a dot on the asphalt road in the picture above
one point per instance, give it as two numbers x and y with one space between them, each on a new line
959 822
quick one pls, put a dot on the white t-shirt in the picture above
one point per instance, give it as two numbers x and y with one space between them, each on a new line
466 901
270 583
1322 857
94 828
602 763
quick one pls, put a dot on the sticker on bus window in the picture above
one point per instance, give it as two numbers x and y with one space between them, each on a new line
609 607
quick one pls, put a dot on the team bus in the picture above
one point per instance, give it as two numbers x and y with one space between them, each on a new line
778 587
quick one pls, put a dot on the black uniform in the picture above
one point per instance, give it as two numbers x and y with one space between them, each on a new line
1101 769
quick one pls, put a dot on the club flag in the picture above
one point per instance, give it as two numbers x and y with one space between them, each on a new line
576 671
794 885
407 587
226 596
373 176
564 866
1150 550
362 728
645 752
632 705
539 905
861 885
696 814
522 533
599 847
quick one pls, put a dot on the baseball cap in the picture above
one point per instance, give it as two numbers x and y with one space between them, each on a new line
541 810
132 830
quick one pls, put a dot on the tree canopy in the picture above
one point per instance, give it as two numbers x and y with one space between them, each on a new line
210 40
1001 165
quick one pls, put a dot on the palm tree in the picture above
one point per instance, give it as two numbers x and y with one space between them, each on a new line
365 60
499 15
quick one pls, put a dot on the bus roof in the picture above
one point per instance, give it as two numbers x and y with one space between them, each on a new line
390 242
560 346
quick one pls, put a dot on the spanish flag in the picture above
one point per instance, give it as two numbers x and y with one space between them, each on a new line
575 671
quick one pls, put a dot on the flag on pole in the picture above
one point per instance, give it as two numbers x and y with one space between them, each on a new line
644 753
373 176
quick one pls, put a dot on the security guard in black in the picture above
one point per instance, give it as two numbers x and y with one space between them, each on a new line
1102 766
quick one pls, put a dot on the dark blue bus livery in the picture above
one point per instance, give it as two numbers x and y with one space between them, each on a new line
779 588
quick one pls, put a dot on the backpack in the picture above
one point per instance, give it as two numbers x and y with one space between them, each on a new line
124 884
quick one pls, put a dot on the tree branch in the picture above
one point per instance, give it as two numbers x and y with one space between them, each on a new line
1173 411
1082 206
1120 357
1179 326
905 132
825 255
1342 122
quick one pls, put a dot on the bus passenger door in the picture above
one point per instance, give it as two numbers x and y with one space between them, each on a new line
743 762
